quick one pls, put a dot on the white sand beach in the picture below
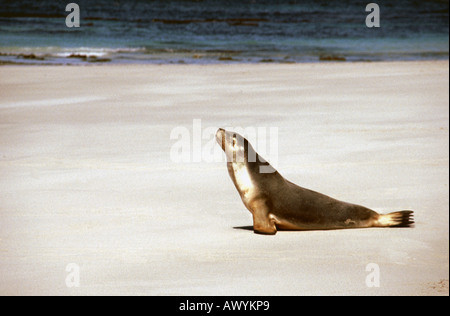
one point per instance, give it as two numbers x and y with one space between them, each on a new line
86 178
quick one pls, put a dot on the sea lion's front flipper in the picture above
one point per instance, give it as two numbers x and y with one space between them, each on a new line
262 222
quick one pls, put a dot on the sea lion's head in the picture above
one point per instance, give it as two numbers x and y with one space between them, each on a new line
235 146
240 152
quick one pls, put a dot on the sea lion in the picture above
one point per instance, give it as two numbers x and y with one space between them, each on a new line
278 204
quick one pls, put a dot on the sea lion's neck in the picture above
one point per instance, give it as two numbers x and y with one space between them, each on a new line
242 179
248 177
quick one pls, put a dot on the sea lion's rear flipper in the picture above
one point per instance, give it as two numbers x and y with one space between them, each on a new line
396 219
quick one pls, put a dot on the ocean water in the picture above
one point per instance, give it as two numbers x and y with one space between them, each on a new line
221 31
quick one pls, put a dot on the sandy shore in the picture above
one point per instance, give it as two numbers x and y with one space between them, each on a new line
86 178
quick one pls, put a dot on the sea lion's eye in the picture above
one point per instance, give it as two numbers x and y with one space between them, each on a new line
234 141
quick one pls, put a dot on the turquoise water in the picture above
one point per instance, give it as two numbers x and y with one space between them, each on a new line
214 31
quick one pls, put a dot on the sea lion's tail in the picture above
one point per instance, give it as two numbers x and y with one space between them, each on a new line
396 219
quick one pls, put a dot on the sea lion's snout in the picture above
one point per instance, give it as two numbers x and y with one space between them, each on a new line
233 144
220 137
